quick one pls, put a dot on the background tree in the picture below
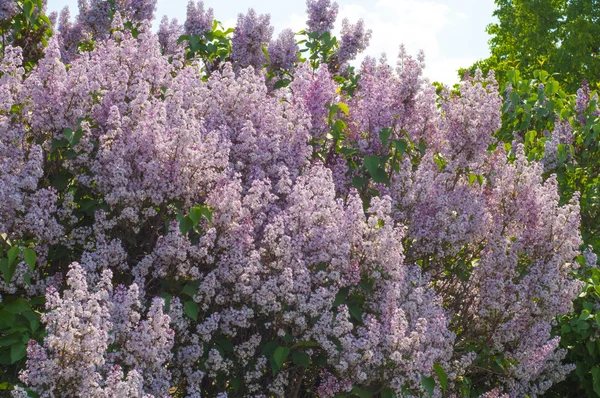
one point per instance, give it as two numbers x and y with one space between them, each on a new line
560 36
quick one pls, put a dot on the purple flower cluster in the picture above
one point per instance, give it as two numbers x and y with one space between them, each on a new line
354 40
252 33
168 35
321 15
81 326
283 52
198 22
8 9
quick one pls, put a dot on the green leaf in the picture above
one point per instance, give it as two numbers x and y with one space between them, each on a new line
225 344
344 108
195 214
380 176
28 8
281 83
17 306
356 312
185 224
333 110
269 348
13 252
235 383
17 352
429 384
472 178
400 146
367 285
371 163
10 339
359 182
442 376
73 136
300 358
384 135
279 357
191 288
596 377
387 393
191 309
61 181
5 270
56 144
30 258
361 392
7 319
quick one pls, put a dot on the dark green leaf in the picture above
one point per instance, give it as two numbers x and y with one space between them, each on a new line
30 258
356 312
225 344
61 181
596 379
195 214
384 135
361 392
191 309
17 306
235 383
167 297
13 252
269 348
185 224
442 376
191 288
278 358
359 182
387 393
400 146
380 176
17 352
340 297
56 144
300 358
10 339
429 384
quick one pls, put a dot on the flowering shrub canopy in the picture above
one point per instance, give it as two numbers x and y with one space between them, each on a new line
198 228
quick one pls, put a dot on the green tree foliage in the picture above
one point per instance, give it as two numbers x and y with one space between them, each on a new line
560 36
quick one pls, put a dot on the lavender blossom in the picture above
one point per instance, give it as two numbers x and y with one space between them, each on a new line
283 52
252 33
321 16
198 22
354 40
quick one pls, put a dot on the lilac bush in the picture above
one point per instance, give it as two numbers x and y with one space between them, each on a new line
201 232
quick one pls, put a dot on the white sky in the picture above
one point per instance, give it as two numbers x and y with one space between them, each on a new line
451 32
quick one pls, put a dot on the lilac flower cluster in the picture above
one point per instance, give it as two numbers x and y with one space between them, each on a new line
321 15
168 35
110 157
283 52
354 40
81 326
8 9
252 33
198 22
